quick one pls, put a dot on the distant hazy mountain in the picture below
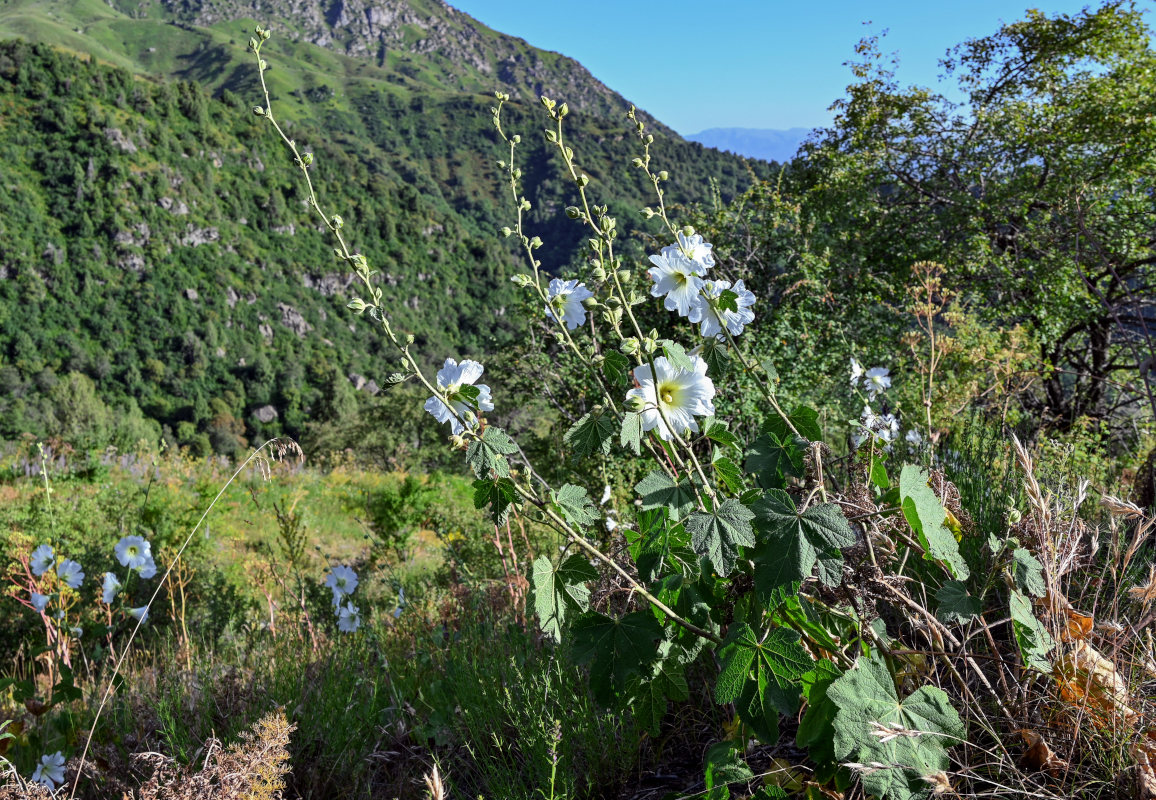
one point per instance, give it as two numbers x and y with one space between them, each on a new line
767 144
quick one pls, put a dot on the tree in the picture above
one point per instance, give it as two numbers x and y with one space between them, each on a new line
1036 191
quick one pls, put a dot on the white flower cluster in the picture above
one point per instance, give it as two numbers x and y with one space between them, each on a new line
679 275
883 429
452 377
342 581
133 552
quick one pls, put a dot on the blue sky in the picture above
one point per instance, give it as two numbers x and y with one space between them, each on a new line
744 63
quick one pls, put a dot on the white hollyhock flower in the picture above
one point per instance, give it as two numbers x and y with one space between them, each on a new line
133 552
43 557
914 437
70 572
673 397
888 429
342 581
677 278
696 249
714 319
39 601
856 371
348 618
109 589
148 569
451 378
50 771
877 380
605 495
564 302
139 613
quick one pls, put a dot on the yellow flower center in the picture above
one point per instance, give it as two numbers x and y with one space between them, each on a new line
667 396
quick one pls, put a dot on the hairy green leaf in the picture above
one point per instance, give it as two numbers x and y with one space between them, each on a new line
805 420
575 506
676 355
872 725
771 460
591 434
560 591
665 682
791 543
955 604
717 359
616 649
728 471
498 494
925 514
658 490
631 436
1028 573
1032 638
488 454
616 367
716 430
718 535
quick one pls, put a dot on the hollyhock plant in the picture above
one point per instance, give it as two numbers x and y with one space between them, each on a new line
342 581
70 572
50 771
715 319
450 380
677 279
564 302
133 552
43 557
671 398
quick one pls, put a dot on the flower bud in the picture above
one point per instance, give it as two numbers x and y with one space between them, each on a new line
650 138
260 112
506 231
535 243
262 65
409 338
563 110
664 175
597 273
252 44
629 346
597 360
613 301
357 305
634 404
551 136
573 212
649 344
1013 515
521 279
688 231
590 303
648 212
546 101
264 34
336 221
307 159
623 275
582 180
516 139
637 162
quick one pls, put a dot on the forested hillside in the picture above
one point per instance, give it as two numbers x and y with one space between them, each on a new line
156 275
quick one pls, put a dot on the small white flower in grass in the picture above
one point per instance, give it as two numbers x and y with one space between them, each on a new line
857 371
877 380
70 572
451 378
564 302
673 398
133 552
914 437
43 557
109 589
348 618
605 496
139 613
148 569
715 319
50 771
677 278
39 601
342 581
696 249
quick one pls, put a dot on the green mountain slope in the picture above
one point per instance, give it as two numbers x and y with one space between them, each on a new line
154 240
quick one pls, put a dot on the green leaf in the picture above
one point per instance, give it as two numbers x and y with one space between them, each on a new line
677 356
717 536
498 494
728 471
1028 572
771 460
879 474
805 420
723 765
1033 639
817 728
615 649
778 659
631 436
925 514
561 591
955 604
575 506
658 490
665 682
728 301
591 434
799 540
716 430
868 706
488 454
772 374
616 367
717 359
